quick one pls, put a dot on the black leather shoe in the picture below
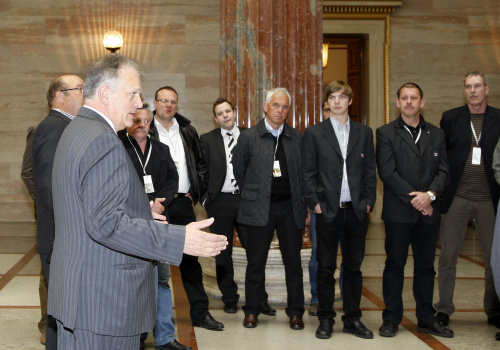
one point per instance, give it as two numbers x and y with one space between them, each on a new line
231 307
497 336
443 319
388 329
173 345
495 321
141 345
296 323
359 330
250 321
325 329
267 310
208 322
437 330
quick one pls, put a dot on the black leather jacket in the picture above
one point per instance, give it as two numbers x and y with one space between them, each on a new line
197 169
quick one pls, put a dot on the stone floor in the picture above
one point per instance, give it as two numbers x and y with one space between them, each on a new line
20 310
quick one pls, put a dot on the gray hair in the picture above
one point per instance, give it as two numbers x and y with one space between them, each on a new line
476 73
106 71
279 90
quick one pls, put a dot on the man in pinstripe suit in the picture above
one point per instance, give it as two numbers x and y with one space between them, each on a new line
103 285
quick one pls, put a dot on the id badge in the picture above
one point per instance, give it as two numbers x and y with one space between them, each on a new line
276 169
476 155
148 184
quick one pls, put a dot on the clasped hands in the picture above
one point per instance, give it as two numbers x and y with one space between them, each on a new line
422 202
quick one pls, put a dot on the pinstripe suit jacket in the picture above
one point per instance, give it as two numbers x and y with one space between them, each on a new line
102 278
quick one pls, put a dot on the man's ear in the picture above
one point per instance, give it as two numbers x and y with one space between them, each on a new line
103 95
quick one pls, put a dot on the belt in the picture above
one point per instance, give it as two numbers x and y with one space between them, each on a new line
344 205
177 195
237 191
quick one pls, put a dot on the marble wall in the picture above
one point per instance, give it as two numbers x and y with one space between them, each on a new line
433 42
436 42
175 43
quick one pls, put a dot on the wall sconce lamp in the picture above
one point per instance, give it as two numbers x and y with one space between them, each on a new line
112 41
324 52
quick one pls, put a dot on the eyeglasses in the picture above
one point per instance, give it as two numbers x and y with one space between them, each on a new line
172 102
139 121
80 89
475 86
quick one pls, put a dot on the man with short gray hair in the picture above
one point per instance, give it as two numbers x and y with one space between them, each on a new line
266 165
471 134
103 284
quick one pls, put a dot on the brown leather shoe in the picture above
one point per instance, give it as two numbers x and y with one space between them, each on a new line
296 323
250 321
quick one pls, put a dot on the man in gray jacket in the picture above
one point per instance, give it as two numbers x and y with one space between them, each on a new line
266 165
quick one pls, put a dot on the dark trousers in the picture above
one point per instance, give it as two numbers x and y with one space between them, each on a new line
257 242
347 227
50 323
423 239
181 213
224 209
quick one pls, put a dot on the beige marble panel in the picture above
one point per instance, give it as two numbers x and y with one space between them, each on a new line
185 58
152 81
45 8
45 59
412 59
202 30
98 8
180 7
428 29
465 7
22 290
22 30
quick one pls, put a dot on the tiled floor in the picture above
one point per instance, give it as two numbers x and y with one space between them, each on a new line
20 311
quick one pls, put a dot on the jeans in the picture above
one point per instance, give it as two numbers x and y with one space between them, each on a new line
164 329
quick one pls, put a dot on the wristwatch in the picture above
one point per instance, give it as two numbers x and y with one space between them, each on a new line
432 195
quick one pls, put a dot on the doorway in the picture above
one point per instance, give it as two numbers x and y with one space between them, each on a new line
347 61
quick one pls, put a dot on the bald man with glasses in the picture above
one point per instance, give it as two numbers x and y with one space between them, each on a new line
64 98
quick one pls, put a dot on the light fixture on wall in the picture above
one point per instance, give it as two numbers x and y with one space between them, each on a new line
324 51
112 41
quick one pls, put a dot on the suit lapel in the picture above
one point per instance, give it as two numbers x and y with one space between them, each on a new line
331 137
424 139
219 142
464 122
405 135
353 137
488 123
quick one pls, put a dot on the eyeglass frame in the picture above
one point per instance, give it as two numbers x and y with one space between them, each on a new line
172 102
77 88
475 86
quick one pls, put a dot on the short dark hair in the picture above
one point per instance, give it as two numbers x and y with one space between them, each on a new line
220 101
476 73
336 86
106 71
410 85
165 88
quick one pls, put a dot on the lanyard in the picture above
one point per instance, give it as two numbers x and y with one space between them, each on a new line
418 136
140 161
474 133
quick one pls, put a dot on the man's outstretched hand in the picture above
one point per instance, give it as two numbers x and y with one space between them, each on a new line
200 243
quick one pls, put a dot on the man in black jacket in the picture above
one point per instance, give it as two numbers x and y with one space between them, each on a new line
267 165
158 174
471 134
412 164
181 137
222 198
340 184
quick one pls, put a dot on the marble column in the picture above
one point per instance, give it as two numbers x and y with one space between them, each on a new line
267 44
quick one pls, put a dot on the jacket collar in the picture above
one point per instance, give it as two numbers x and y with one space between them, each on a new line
262 130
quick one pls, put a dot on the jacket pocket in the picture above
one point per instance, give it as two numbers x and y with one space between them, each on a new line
250 192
